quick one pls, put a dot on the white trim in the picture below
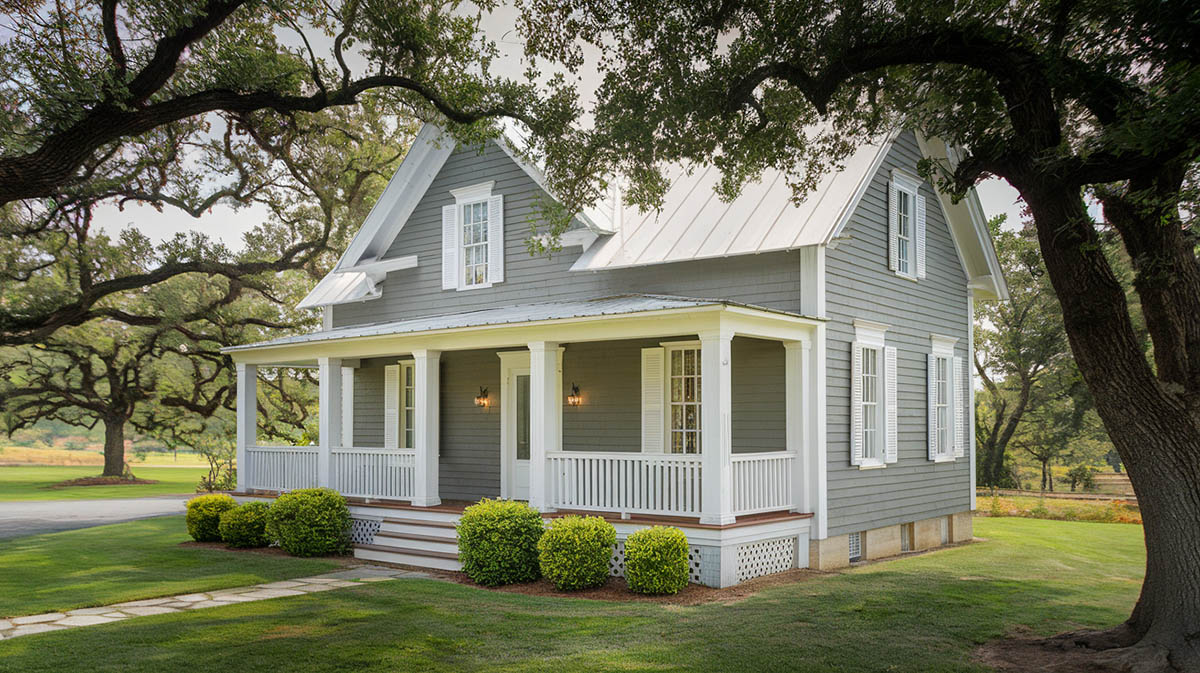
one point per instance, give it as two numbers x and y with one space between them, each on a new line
405 367
347 404
692 343
870 333
906 181
970 453
902 182
477 192
942 346
669 349
512 364
379 269
427 426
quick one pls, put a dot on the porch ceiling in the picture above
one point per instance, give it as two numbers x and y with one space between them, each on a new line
623 316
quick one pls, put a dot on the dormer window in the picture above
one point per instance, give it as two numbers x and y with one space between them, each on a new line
473 238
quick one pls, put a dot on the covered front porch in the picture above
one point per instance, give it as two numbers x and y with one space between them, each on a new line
638 407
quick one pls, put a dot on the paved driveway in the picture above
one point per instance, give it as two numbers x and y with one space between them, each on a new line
46 516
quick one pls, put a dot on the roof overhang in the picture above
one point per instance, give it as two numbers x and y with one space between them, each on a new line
490 328
357 283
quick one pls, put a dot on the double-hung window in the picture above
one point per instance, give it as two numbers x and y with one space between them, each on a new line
683 399
906 226
947 395
473 239
873 438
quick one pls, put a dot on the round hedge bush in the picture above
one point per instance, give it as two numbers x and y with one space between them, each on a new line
656 560
310 522
497 542
245 526
204 516
574 552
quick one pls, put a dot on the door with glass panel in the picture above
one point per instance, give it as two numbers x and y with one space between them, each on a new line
514 402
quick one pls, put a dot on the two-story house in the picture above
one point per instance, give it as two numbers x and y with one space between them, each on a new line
788 383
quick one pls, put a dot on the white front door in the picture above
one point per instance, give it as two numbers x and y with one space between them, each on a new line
514 403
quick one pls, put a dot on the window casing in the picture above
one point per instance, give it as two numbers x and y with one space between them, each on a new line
904 231
683 399
473 249
941 404
871 435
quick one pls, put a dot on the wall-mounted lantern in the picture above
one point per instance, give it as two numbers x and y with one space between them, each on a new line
482 399
574 399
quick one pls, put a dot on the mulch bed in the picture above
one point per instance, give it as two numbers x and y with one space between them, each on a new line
100 481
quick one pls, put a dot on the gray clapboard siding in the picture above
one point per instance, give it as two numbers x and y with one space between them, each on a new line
368 406
470 436
759 410
859 285
769 279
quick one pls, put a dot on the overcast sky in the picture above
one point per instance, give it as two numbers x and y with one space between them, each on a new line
227 225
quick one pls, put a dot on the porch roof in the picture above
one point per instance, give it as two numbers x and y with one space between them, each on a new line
517 314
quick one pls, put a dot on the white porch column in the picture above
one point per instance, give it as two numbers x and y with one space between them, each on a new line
329 416
426 428
798 411
716 414
247 417
347 404
545 416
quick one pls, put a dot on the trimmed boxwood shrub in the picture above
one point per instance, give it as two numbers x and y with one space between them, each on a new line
575 550
310 522
497 542
656 560
245 525
204 516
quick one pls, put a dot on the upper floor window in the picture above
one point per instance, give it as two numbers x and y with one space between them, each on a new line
473 238
906 226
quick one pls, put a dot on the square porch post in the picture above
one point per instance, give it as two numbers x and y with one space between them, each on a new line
247 417
798 410
716 433
329 416
545 414
426 426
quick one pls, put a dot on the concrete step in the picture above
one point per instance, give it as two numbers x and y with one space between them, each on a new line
413 557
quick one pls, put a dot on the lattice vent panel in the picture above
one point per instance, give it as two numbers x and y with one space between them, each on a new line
766 557
616 564
362 531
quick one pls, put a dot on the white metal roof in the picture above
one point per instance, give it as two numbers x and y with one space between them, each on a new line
694 223
507 315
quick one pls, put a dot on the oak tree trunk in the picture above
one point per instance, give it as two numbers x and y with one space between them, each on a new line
1152 424
114 447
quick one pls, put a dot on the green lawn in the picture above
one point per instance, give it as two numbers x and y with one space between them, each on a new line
923 613
30 482
125 562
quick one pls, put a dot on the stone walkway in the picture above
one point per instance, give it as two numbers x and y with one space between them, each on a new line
55 621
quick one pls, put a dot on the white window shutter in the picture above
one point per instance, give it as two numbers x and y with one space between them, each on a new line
496 239
450 272
391 407
856 400
893 227
653 373
961 378
920 231
931 396
891 453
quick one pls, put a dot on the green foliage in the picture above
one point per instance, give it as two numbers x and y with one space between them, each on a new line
245 525
498 542
575 551
656 560
310 522
1083 477
204 516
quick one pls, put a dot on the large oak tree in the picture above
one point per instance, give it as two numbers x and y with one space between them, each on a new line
1058 97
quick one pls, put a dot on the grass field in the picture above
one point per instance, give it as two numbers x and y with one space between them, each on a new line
23 455
125 562
922 613
1103 511
31 482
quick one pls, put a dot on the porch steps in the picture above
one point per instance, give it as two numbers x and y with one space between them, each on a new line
425 542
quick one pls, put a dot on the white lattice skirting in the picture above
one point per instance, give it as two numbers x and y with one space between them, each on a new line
616 565
765 557
362 531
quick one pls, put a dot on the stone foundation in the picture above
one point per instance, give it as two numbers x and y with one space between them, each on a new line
834 552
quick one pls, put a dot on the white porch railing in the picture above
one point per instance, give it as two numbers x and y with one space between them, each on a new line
626 482
280 468
762 482
373 473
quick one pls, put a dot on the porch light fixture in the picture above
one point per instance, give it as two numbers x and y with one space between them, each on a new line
574 399
482 399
